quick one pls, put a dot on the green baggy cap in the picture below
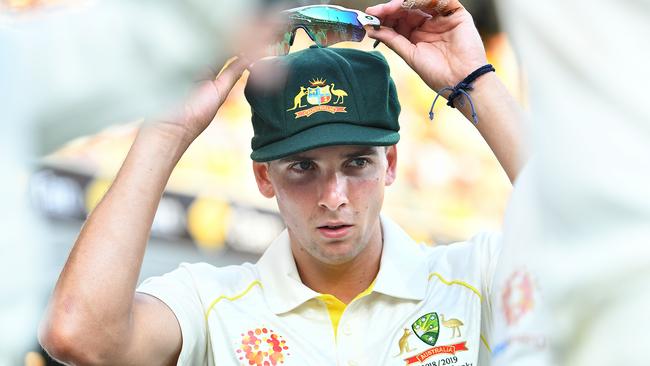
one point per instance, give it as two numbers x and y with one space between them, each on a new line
330 96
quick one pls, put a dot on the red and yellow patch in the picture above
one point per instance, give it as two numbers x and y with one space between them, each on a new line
262 347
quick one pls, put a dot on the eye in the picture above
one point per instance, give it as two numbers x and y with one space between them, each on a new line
302 166
358 162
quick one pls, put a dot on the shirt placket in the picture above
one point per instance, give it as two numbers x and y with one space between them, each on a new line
350 336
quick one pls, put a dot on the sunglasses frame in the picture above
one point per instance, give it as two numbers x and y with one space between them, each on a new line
363 19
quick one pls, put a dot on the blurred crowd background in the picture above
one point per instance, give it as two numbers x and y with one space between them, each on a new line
449 187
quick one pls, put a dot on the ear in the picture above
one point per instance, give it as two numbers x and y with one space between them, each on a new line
261 171
391 167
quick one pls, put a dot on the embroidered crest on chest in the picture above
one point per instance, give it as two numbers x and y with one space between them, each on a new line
429 329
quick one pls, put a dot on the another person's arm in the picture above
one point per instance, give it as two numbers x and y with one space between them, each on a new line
94 315
444 47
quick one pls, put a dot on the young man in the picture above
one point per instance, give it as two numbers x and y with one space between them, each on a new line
343 284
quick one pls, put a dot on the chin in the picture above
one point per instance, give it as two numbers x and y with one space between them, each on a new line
338 253
336 260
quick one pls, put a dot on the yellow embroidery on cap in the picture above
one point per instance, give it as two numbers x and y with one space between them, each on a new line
297 100
318 94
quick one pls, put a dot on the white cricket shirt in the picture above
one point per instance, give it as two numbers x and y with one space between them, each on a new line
427 306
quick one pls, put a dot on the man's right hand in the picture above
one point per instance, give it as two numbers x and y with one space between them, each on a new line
198 111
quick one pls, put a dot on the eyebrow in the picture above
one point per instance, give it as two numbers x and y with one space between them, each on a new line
293 158
363 151
369 150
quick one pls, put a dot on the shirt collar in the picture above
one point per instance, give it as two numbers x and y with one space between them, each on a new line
402 273
403 270
281 282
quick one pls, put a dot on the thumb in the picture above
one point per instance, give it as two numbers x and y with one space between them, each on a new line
395 41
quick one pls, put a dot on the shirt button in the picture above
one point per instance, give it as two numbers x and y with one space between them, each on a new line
347 329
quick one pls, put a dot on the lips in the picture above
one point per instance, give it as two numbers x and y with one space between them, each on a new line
334 230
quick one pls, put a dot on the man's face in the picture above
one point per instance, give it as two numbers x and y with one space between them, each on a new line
330 197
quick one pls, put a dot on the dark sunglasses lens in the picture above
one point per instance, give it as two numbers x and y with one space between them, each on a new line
329 14
282 43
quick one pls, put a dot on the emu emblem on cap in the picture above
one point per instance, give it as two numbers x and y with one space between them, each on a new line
318 94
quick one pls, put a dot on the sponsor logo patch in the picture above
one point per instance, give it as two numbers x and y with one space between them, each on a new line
262 347
518 296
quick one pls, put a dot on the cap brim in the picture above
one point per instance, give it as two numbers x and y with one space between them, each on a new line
327 134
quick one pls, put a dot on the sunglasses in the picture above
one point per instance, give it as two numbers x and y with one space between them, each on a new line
326 25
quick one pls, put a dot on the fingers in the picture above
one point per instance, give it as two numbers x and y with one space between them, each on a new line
383 10
410 21
397 29
393 15
433 7
229 75
405 21
395 41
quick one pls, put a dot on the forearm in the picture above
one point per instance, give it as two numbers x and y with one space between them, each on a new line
501 122
96 287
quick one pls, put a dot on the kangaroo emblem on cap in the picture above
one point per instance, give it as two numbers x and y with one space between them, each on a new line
297 100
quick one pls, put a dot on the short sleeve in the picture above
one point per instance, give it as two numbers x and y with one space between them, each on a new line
178 291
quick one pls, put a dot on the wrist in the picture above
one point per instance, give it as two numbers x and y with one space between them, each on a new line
168 139
480 86
466 70
458 95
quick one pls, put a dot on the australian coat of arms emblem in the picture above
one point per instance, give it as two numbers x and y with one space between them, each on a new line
319 94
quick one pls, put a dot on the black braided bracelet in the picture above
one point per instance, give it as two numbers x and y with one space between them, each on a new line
462 89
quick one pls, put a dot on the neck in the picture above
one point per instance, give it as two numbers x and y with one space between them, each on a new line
346 280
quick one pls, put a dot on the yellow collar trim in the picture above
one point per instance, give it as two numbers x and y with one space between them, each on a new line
336 307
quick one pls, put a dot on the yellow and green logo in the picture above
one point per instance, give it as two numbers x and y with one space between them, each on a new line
427 328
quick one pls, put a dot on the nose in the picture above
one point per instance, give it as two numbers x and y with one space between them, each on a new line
334 192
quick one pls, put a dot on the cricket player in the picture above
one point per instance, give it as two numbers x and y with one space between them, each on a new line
343 284
577 226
